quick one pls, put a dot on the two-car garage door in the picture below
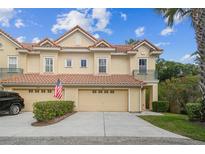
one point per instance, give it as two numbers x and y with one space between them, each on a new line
88 99
103 100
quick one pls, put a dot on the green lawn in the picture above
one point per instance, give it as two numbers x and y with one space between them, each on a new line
178 124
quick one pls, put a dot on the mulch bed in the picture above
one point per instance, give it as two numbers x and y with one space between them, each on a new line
53 121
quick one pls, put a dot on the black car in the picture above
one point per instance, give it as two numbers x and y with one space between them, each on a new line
11 101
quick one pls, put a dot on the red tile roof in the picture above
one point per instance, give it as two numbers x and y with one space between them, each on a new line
122 48
28 46
119 48
73 79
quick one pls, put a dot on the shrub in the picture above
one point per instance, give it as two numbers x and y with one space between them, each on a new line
160 106
48 110
193 110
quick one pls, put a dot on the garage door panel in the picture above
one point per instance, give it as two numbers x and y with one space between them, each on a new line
89 101
30 98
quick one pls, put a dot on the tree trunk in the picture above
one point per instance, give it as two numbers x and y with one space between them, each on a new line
198 19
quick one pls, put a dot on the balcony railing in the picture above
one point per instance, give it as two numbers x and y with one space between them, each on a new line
9 72
146 75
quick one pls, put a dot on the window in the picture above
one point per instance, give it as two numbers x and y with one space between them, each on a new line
36 90
12 63
100 91
49 90
68 63
112 91
102 65
1 45
83 63
48 64
43 90
142 65
105 91
94 91
30 90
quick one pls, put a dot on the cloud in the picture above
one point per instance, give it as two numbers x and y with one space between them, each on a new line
6 15
21 39
19 23
97 36
167 31
123 16
92 20
187 58
102 17
35 40
140 31
162 44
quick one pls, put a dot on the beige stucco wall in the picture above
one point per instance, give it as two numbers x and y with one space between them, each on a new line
33 63
134 97
72 93
143 99
8 49
144 52
52 54
116 64
76 63
120 65
100 54
153 93
76 39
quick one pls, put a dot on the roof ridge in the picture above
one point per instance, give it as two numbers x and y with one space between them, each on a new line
72 29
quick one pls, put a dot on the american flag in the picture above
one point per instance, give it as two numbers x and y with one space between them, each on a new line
58 89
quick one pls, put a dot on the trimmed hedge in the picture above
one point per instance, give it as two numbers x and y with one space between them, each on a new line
160 106
193 111
48 110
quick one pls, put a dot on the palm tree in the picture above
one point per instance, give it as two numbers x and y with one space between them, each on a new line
197 16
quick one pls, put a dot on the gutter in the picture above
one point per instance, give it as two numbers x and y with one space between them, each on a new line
70 85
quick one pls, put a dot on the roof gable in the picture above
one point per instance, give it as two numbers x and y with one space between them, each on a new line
14 41
147 43
73 30
46 43
102 44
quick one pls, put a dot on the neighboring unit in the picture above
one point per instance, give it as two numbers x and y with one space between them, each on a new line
95 74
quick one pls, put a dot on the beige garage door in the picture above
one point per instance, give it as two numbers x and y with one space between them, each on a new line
103 100
34 95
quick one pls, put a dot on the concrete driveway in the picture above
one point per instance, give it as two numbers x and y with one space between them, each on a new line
94 124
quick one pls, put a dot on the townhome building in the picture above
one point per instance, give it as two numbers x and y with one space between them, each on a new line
95 74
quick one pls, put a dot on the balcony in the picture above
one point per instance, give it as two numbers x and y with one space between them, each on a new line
146 75
9 72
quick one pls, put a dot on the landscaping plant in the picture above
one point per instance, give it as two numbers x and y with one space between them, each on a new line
160 106
193 111
197 16
48 110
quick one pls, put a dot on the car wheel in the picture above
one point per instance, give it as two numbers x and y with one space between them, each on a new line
14 109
